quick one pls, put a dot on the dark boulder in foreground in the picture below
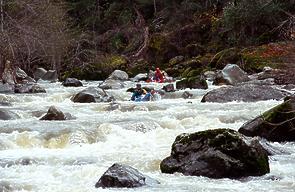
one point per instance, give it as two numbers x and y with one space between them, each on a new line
123 176
219 153
276 124
7 115
72 82
243 92
54 114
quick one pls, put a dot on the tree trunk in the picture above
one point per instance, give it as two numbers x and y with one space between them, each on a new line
2 16
155 7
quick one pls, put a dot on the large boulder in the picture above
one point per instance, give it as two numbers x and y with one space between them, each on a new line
123 176
45 75
72 82
276 124
39 73
112 84
29 88
54 114
7 115
231 74
192 83
92 94
140 77
83 98
243 92
119 75
281 77
219 153
22 77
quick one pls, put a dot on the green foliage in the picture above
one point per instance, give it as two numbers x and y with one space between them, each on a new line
253 21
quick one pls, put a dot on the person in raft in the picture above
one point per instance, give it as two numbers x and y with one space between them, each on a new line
158 77
137 93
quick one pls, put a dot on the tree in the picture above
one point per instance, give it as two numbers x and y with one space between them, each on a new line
33 32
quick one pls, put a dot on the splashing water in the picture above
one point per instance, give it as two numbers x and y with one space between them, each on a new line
72 155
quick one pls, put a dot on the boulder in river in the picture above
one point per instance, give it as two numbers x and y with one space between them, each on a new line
29 88
22 77
54 114
119 75
231 74
276 124
112 84
123 176
72 82
50 75
243 92
6 88
92 95
5 114
192 83
219 153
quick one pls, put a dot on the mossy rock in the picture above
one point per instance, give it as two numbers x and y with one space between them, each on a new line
276 124
218 153
195 82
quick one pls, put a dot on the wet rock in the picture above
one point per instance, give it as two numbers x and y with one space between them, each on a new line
140 77
123 176
186 95
112 84
192 83
23 161
29 88
276 124
91 95
6 88
210 75
119 75
243 92
83 98
72 82
219 153
169 88
5 103
5 114
231 74
50 75
281 77
22 77
39 73
54 114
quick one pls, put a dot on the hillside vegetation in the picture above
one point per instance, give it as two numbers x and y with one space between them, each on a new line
88 39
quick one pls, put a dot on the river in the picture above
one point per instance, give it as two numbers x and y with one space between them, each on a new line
70 156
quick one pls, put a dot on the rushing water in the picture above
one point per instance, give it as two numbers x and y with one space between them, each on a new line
71 155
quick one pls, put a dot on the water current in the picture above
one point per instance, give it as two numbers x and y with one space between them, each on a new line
70 156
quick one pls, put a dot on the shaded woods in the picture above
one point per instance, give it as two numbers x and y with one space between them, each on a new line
88 39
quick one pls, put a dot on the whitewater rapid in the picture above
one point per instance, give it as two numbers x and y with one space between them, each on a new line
70 156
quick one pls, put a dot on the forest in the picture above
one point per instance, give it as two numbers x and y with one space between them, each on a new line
88 39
